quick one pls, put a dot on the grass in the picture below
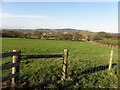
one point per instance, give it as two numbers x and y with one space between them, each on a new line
87 65
110 41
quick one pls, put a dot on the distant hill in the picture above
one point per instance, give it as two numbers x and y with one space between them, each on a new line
50 30
55 30
59 30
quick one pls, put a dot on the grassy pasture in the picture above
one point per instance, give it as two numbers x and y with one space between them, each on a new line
87 65
110 41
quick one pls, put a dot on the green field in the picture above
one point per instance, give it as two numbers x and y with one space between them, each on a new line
87 64
110 41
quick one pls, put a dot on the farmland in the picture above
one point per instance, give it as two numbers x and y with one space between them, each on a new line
109 41
87 64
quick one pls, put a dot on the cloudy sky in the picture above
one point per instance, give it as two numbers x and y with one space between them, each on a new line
93 16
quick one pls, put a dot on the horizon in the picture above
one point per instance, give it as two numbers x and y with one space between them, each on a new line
91 16
61 29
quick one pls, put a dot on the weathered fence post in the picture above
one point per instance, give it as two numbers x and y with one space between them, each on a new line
16 59
65 65
110 61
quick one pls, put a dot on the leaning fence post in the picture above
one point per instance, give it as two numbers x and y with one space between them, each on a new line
65 65
16 59
110 61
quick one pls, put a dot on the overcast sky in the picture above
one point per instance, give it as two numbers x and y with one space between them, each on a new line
93 16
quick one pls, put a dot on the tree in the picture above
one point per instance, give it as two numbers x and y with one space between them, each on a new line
89 38
67 36
101 35
38 34
77 36
59 35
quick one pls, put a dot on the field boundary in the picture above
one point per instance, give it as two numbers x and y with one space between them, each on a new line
108 44
15 65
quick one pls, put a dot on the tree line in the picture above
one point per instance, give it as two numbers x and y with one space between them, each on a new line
76 36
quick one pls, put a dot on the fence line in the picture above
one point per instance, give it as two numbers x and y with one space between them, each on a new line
41 56
15 65
108 44
8 54
10 65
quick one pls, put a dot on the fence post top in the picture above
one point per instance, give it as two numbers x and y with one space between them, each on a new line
65 50
16 50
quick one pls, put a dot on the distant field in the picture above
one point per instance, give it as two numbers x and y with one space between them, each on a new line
45 73
110 41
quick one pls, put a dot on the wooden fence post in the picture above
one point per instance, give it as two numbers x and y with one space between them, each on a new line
16 59
110 61
65 65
